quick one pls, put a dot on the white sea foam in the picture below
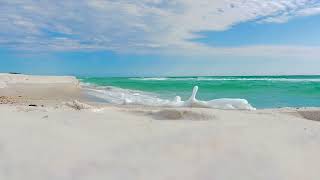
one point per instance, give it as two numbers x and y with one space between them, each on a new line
120 96
229 79
150 79
259 79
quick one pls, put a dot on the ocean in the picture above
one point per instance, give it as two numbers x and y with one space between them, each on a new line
260 91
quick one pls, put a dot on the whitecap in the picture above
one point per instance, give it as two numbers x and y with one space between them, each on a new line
119 96
259 79
228 79
150 79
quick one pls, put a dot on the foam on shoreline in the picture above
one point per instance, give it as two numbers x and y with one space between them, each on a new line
121 96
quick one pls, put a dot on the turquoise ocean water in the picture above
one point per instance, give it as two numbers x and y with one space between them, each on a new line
260 91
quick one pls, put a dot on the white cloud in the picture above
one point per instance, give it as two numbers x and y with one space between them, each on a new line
142 26
294 9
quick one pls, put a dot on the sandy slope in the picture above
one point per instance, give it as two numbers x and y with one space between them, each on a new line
33 89
61 143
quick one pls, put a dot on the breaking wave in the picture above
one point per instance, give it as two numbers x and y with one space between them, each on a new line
228 79
119 96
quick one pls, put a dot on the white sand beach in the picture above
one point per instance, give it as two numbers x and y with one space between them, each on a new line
49 130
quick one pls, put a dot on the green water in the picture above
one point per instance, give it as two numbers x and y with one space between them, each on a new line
260 91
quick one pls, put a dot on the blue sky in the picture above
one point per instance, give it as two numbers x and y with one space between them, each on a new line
160 37
302 31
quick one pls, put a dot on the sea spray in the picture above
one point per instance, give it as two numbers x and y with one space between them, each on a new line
225 103
121 96
260 91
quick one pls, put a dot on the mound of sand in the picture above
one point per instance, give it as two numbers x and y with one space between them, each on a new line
78 105
181 114
310 114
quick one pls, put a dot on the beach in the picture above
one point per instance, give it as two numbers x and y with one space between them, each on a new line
51 129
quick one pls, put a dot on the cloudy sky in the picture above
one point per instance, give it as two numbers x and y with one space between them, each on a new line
160 37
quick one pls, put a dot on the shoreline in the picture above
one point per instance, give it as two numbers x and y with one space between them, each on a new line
52 132
20 89
260 93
